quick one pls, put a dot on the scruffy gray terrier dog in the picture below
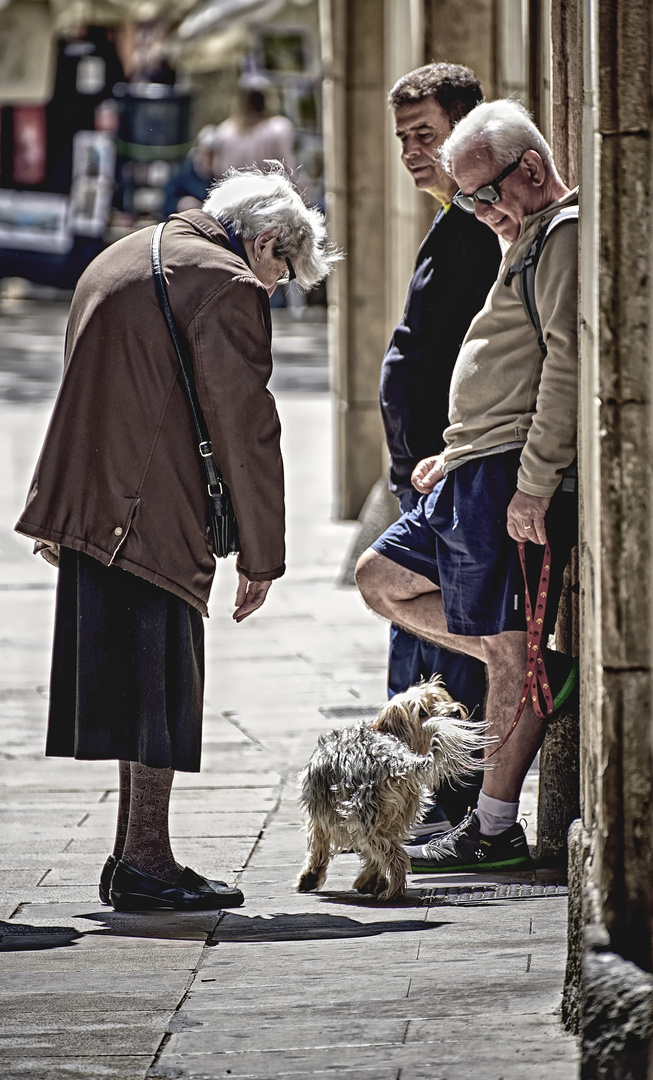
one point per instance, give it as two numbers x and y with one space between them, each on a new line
366 785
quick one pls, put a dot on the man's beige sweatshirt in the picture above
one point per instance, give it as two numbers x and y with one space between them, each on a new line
504 393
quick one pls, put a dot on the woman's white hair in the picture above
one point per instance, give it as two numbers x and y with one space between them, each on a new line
501 130
249 201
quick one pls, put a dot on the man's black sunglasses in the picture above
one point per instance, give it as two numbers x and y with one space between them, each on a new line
488 193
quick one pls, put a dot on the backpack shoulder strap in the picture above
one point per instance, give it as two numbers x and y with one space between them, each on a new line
527 267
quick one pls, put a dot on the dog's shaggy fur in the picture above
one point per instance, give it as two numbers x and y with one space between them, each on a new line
364 786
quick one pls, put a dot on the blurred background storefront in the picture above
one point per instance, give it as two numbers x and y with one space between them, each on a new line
101 103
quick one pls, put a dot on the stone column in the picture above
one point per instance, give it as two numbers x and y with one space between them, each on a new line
409 211
612 854
356 133
558 108
616 426
463 33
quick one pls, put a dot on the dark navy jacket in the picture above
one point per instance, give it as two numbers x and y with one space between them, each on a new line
455 268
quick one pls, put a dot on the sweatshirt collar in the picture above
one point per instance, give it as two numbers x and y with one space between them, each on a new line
532 223
547 212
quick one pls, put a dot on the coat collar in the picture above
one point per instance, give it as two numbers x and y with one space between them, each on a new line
207 226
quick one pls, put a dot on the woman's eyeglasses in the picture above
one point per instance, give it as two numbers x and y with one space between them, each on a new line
488 193
288 274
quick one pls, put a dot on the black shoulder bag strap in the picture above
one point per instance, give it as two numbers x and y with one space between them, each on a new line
221 514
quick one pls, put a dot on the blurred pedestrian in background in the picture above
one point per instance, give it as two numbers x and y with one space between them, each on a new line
188 186
454 270
252 135
119 498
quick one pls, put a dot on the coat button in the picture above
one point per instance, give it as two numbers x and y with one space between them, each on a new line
118 530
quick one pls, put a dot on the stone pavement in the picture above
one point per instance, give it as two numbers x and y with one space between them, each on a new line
289 985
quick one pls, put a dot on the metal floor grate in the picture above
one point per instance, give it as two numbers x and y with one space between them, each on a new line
474 894
346 712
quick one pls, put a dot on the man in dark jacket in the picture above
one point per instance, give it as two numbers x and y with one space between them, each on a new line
456 265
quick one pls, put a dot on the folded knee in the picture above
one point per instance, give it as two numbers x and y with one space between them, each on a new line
384 583
367 572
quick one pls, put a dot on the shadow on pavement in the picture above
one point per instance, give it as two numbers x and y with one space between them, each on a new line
17 937
308 927
413 898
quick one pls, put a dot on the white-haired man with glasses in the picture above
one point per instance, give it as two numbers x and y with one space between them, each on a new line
450 570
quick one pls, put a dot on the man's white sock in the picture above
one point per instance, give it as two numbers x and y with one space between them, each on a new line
495 816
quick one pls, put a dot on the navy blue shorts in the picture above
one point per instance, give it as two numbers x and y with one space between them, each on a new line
457 538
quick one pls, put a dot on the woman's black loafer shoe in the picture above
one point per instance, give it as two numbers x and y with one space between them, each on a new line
132 890
229 897
105 878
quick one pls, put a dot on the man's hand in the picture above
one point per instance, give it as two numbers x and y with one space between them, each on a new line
526 517
250 595
427 473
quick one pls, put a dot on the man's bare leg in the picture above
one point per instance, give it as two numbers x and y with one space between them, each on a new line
415 603
411 601
505 656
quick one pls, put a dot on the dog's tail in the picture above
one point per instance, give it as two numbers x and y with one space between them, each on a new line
455 745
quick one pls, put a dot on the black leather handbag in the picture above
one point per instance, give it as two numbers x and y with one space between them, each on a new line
222 518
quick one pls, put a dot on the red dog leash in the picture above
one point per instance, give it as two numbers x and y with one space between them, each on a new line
536 684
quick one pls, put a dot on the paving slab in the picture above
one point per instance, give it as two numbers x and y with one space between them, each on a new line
82 1004
138 1034
469 1060
92 982
121 956
223 987
25 1066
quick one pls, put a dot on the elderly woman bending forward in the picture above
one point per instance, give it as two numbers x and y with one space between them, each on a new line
119 496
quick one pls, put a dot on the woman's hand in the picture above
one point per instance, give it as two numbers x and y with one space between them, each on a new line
427 473
250 595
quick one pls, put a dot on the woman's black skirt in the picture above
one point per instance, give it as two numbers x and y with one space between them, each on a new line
127 669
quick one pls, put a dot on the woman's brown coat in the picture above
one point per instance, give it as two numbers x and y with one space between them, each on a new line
119 474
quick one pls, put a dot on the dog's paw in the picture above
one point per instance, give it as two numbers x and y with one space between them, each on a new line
389 894
369 885
308 882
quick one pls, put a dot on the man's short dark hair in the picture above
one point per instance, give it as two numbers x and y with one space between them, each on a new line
455 88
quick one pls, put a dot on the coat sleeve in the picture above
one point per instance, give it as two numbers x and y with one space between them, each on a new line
229 339
551 441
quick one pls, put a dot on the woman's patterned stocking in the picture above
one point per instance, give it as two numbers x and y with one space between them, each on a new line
147 843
